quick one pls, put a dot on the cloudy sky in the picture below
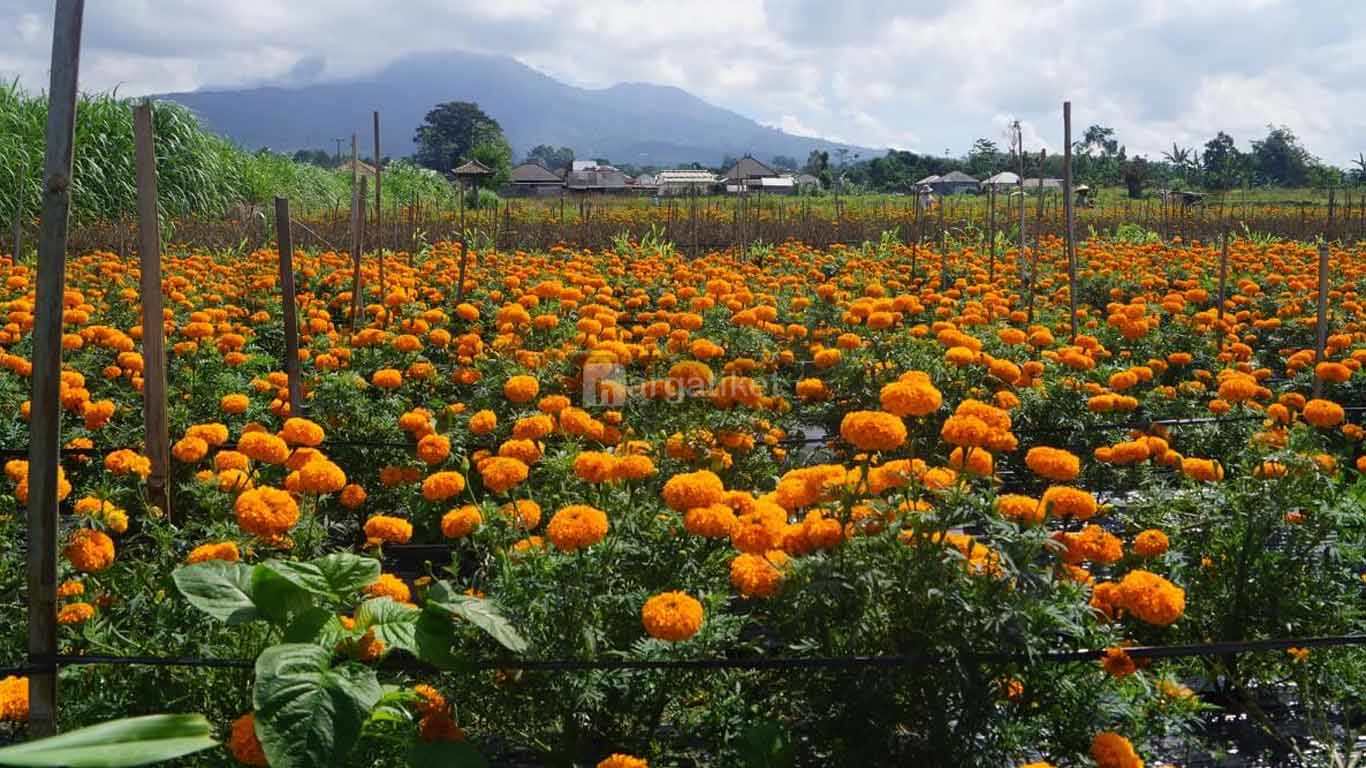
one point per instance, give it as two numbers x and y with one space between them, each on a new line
911 74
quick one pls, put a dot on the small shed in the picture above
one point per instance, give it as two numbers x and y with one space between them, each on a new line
532 179
747 171
955 183
1001 180
1035 185
469 173
927 181
806 182
683 182
597 180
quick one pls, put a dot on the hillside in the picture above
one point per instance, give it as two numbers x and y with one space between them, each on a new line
629 123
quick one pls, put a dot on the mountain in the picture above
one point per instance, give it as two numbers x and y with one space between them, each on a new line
636 123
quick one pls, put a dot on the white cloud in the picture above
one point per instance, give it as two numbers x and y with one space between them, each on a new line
902 73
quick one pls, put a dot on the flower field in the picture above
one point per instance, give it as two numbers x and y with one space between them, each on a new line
844 506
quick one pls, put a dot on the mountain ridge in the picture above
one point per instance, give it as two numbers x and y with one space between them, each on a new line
628 122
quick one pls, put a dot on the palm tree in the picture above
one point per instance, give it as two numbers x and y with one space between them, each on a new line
1360 171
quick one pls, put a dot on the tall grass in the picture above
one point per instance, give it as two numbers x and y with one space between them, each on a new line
198 172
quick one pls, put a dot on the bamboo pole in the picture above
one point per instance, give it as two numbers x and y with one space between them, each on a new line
45 417
1067 213
288 305
358 198
156 440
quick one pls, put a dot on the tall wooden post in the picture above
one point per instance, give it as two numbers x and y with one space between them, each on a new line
157 441
1067 213
358 198
1022 264
45 417
943 249
1321 337
991 233
289 306
1223 276
379 230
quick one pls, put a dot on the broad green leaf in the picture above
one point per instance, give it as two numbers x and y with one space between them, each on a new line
278 599
393 622
336 577
126 742
317 626
309 713
479 612
222 590
447 754
433 635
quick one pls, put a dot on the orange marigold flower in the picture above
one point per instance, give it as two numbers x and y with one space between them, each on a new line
75 613
70 588
263 447
1065 501
14 699
443 485
910 398
1151 598
576 526
619 760
755 575
1204 470
483 422
521 389
242 742
461 522
501 474
89 550
1118 663
434 449
693 489
266 512
387 378
189 450
524 513
300 431
671 616
126 462
321 476
873 430
1323 414
352 496
713 521
1110 750
1025 510
234 404
1151 543
1053 463
388 530
389 585
223 550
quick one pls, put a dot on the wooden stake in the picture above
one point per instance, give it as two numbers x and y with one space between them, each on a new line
460 279
1223 277
1321 337
379 231
358 198
1067 213
289 307
45 417
157 441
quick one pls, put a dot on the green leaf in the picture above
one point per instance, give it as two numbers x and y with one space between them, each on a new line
130 741
765 745
317 626
393 622
336 577
433 635
222 590
481 613
448 754
278 599
309 713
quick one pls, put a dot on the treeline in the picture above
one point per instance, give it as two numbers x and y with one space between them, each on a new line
1275 160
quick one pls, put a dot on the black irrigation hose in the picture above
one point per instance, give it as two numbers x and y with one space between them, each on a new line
42 664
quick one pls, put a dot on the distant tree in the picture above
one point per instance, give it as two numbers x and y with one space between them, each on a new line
1135 174
784 163
1098 140
984 158
451 131
553 158
817 162
495 153
1222 165
1359 172
1324 175
1184 162
1279 159
317 157
727 162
